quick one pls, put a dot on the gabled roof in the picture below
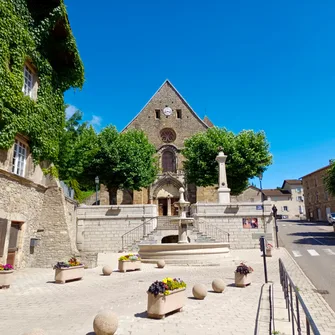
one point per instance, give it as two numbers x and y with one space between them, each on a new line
292 182
276 193
208 121
179 95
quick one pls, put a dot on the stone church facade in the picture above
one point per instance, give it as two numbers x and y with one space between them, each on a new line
168 120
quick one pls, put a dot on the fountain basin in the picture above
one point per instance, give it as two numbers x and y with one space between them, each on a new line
186 254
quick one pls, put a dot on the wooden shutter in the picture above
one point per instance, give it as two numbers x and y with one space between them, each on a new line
3 231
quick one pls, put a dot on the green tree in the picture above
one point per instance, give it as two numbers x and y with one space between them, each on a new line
330 179
124 161
78 146
248 156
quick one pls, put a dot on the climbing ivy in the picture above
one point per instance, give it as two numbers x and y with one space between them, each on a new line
37 32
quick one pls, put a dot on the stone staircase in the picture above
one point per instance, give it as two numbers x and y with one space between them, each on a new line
164 228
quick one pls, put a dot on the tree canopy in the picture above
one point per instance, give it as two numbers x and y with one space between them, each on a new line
248 156
124 160
330 179
78 146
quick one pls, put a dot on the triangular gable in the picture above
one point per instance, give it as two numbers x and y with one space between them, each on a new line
167 82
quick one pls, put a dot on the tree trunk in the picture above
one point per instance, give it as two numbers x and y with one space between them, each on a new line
112 191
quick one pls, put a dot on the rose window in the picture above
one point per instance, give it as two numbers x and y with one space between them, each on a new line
168 135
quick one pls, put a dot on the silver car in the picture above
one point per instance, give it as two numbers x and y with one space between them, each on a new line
331 218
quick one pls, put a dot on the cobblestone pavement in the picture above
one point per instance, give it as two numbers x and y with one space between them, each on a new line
35 301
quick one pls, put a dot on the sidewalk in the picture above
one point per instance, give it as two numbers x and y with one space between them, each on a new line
34 301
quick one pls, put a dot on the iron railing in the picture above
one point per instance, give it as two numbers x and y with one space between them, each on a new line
212 231
137 233
293 301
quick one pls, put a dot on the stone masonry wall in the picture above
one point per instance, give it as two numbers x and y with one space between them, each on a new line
100 228
240 238
57 238
44 214
20 201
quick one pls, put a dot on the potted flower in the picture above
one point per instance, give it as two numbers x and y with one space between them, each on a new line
268 250
243 275
129 262
6 275
71 270
165 296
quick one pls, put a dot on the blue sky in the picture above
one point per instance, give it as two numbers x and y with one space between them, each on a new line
261 65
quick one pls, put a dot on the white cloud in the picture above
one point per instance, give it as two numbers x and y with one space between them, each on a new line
70 110
96 121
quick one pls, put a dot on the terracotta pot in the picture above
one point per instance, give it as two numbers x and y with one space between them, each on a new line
6 278
71 273
242 280
129 265
162 304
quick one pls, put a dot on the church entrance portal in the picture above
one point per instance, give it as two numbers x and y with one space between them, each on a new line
166 207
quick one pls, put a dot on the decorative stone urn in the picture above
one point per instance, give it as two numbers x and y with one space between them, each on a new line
125 266
242 280
65 274
6 278
162 304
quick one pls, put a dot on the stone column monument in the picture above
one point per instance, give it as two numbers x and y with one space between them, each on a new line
182 220
223 191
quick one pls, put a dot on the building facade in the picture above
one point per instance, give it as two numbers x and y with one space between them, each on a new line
289 199
37 223
319 203
168 120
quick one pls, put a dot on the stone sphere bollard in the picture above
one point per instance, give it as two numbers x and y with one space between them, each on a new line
199 291
161 264
105 323
218 285
36 331
107 270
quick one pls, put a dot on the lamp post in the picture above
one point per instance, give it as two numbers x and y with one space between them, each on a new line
274 213
260 176
96 189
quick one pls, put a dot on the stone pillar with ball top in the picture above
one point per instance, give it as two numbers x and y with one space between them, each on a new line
223 191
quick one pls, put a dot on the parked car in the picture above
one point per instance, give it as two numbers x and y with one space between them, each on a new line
331 218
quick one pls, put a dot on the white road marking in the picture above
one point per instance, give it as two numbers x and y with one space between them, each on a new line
329 252
296 253
313 252
284 225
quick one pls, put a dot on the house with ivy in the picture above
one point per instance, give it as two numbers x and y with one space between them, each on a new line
39 61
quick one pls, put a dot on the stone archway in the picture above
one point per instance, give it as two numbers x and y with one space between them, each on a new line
165 192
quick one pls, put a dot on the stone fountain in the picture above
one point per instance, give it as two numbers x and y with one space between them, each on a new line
183 252
182 220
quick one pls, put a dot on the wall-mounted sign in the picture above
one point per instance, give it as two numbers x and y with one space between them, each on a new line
259 207
250 223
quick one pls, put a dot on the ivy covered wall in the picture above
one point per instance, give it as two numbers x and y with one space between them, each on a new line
38 32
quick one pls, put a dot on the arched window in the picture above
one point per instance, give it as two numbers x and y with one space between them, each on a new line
168 161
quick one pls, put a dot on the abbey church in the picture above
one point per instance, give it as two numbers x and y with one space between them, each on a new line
168 120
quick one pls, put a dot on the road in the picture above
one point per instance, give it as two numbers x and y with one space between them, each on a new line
312 245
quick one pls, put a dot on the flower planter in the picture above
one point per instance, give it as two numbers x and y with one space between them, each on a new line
268 252
6 278
129 265
160 305
63 275
242 280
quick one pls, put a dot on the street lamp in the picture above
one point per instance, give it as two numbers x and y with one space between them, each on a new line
96 189
260 176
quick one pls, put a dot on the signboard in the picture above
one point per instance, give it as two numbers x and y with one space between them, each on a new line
259 207
250 223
